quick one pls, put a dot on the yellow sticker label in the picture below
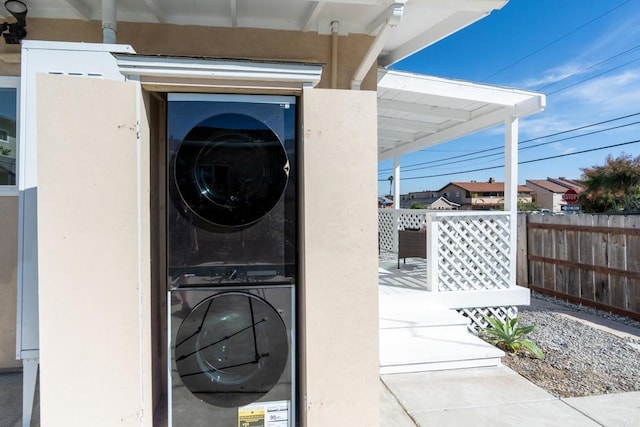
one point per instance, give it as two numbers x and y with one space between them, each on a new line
251 418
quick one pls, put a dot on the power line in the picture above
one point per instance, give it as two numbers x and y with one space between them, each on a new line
581 135
579 152
408 169
520 142
520 163
591 67
593 77
581 127
555 41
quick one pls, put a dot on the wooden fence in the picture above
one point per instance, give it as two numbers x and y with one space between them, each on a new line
590 259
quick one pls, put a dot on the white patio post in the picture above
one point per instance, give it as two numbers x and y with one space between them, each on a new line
511 190
396 199
396 182
433 229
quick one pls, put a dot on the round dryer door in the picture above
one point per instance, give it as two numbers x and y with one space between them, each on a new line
230 171
231 349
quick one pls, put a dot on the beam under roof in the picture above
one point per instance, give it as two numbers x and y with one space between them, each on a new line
80 8
156 10
415 97
423 110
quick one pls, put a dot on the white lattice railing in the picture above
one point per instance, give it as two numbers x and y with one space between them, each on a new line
472 250
467 251
477 322
392 220
387 229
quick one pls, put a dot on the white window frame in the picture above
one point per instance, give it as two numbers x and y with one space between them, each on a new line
13 83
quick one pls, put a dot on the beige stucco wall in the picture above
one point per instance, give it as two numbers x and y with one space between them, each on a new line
339 291
93 255
177 40
8 269
206 41
75 286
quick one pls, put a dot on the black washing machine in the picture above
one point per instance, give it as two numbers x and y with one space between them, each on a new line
231 256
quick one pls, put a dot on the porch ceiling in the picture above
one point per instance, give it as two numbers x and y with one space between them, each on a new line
423 22
417 111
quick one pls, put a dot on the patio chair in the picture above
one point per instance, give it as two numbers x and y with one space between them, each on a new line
412 244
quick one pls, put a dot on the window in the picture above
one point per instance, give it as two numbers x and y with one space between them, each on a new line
8 135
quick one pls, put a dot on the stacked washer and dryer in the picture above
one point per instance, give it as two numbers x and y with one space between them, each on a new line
232 260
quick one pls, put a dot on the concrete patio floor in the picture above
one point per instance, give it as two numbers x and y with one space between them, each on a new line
410 276
495 396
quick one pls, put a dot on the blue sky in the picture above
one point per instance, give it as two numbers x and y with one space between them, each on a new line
583 54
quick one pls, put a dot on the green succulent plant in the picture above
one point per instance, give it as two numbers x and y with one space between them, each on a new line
510 337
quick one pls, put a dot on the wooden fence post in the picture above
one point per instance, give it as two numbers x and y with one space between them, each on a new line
522 264
633 264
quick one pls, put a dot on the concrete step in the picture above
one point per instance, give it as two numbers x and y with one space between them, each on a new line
415 310
403 317
435 349
417 334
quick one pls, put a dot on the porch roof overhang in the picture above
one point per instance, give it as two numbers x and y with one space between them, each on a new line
422 23
418 111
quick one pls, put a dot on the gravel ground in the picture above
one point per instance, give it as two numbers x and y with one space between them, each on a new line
580 360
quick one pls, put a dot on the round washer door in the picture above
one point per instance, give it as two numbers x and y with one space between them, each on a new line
231 349
229 171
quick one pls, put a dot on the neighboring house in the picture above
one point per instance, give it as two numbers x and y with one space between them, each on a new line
407 199
420 194
481 195
434 203
87 212
385 202
550 192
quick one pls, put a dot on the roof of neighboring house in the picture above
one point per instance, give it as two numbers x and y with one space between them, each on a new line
447 201
385 200
422 194
485 187
568 183
428 201
547 185
557 185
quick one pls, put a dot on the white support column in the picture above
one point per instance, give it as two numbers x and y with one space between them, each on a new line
396 221
511 164
396 182
433 228
511 190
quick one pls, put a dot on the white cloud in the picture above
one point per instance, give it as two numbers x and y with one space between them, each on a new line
562 149
543 124
614 93
551 76
615 38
